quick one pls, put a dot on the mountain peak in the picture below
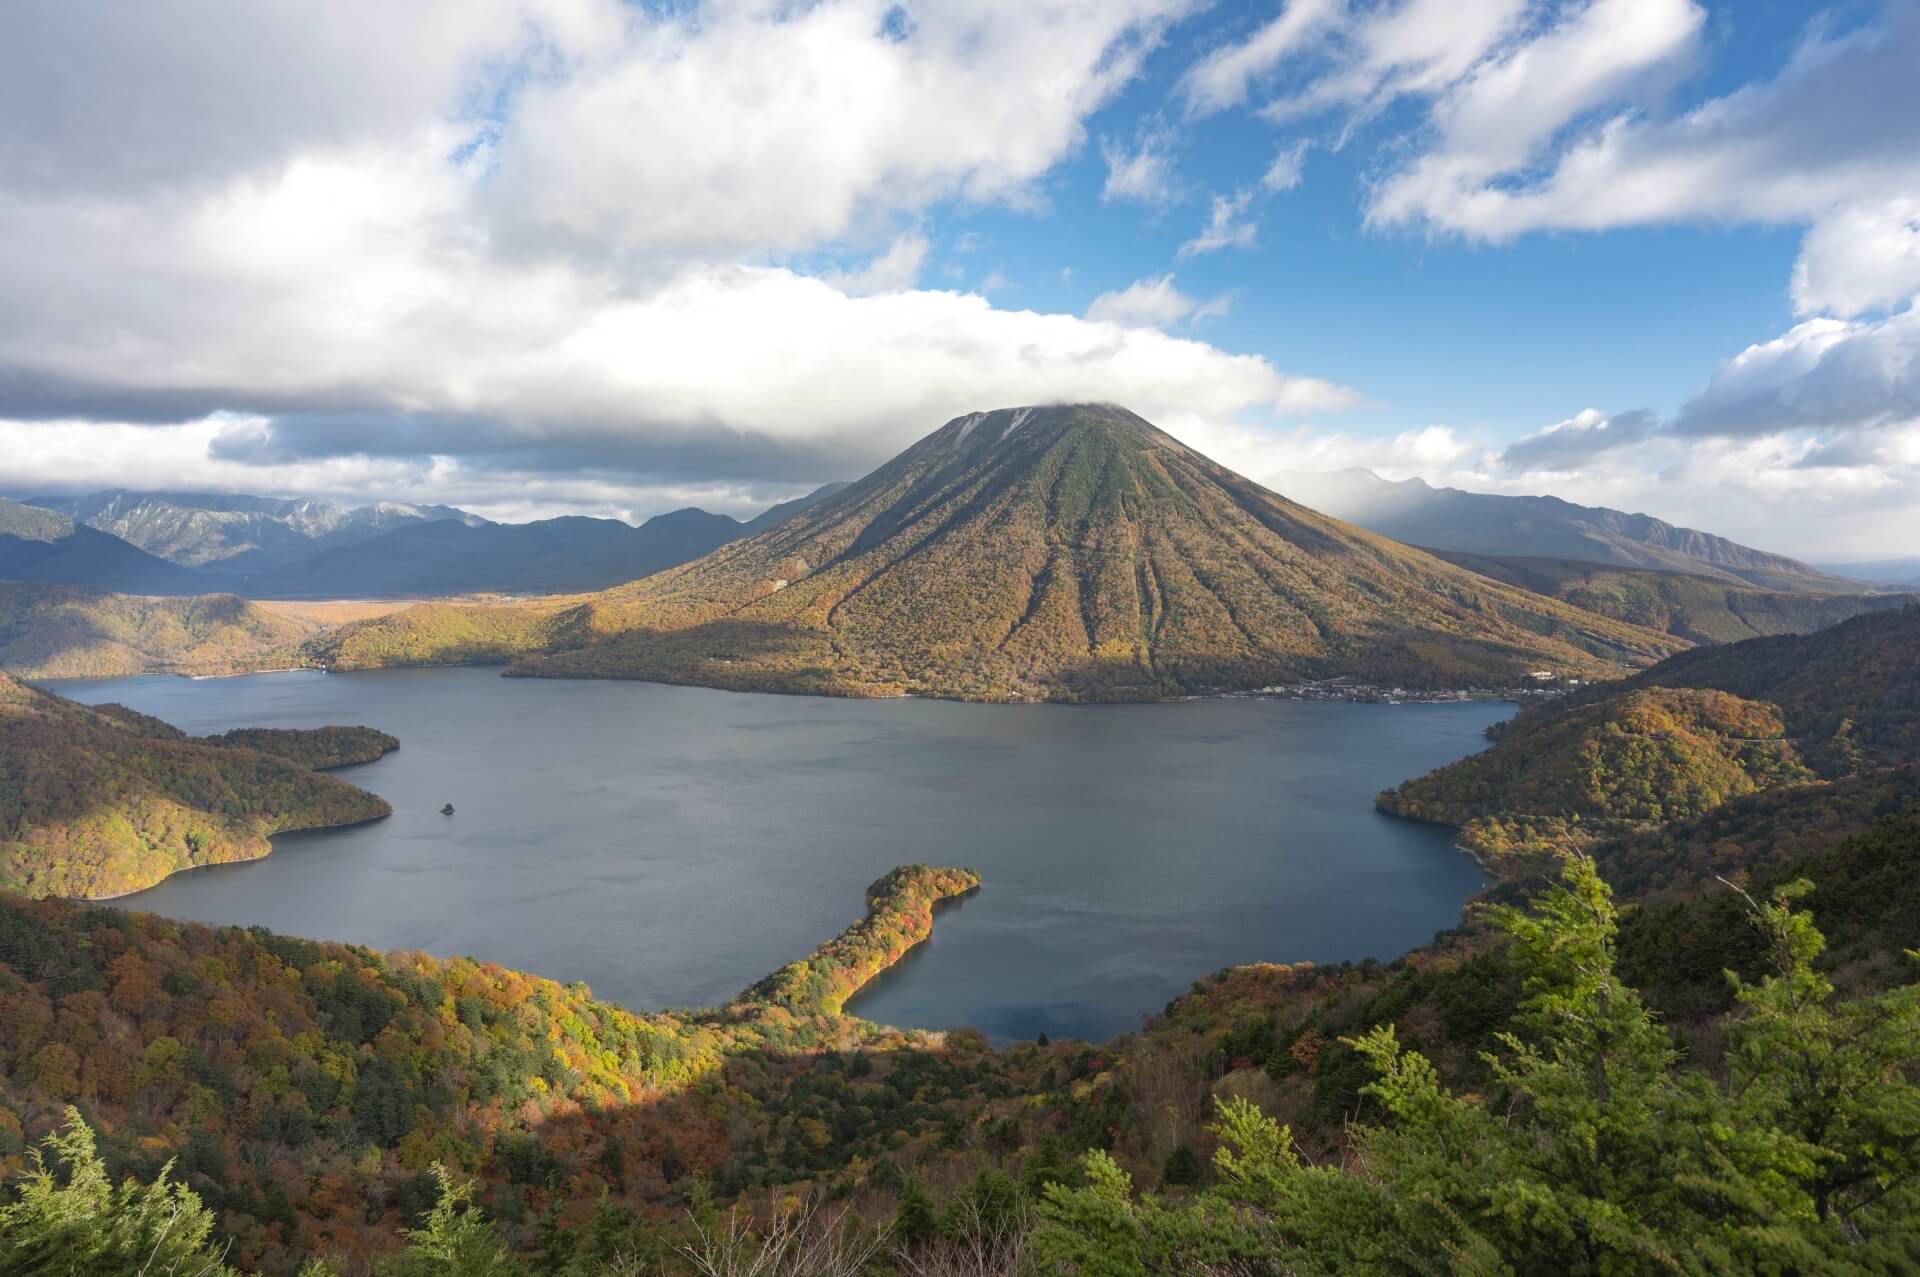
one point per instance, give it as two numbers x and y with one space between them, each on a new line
1073 551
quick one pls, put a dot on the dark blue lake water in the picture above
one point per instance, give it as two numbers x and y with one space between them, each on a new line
670 845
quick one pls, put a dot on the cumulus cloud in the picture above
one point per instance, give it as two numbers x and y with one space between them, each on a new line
1824 374
1860 257
516 249
1575 442
742 126
1227 226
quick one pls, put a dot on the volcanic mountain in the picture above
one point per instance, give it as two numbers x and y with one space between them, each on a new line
1064 552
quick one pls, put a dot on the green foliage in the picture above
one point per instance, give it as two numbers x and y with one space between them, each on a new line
1558 777
1596 1153
899 916
68 1219
313 747
456 1240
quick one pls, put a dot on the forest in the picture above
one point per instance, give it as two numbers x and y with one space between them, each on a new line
101 802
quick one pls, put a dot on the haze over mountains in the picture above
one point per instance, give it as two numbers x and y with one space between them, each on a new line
196 543
1414 511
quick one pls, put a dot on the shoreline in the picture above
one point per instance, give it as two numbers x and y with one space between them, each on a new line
238 860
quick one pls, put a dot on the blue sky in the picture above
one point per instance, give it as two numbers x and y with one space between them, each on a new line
544 256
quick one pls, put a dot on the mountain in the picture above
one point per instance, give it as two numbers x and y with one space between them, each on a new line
1897 573
46 546
1063 552
548 556
562 555
1543 527
98 804
66 631
775 515
1697 608
234 533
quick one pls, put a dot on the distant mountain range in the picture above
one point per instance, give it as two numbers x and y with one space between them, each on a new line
1413 511
196 543
1060 552
1897 573
46 547
240 533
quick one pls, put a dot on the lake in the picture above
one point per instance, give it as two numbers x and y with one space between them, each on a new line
670 845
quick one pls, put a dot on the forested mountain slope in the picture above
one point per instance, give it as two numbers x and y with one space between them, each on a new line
67 631
1066 552
1686 735
99 803
1697 608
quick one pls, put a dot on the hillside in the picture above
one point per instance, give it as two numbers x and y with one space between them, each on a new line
315 748
1066 553
99 804
1852 689
236 533
1545 527
1679 739
248 1055
1632 760
1699 609
42 546
64 631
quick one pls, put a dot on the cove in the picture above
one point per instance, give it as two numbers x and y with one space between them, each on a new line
671 845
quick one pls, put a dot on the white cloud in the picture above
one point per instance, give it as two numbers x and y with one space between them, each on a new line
1569 445
1379 53
1143 174
892 271
1494 121
1828 375
1285 171
1831 128
1224 229
1225 76
1859 258
743 125
556 251
1154 303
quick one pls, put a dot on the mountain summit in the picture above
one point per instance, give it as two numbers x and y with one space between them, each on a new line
1071 552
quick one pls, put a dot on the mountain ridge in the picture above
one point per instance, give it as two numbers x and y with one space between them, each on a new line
1438 518
1069 552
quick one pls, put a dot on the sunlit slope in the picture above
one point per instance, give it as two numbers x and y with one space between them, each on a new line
1074 552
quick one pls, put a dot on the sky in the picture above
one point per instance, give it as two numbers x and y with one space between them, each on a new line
534 257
